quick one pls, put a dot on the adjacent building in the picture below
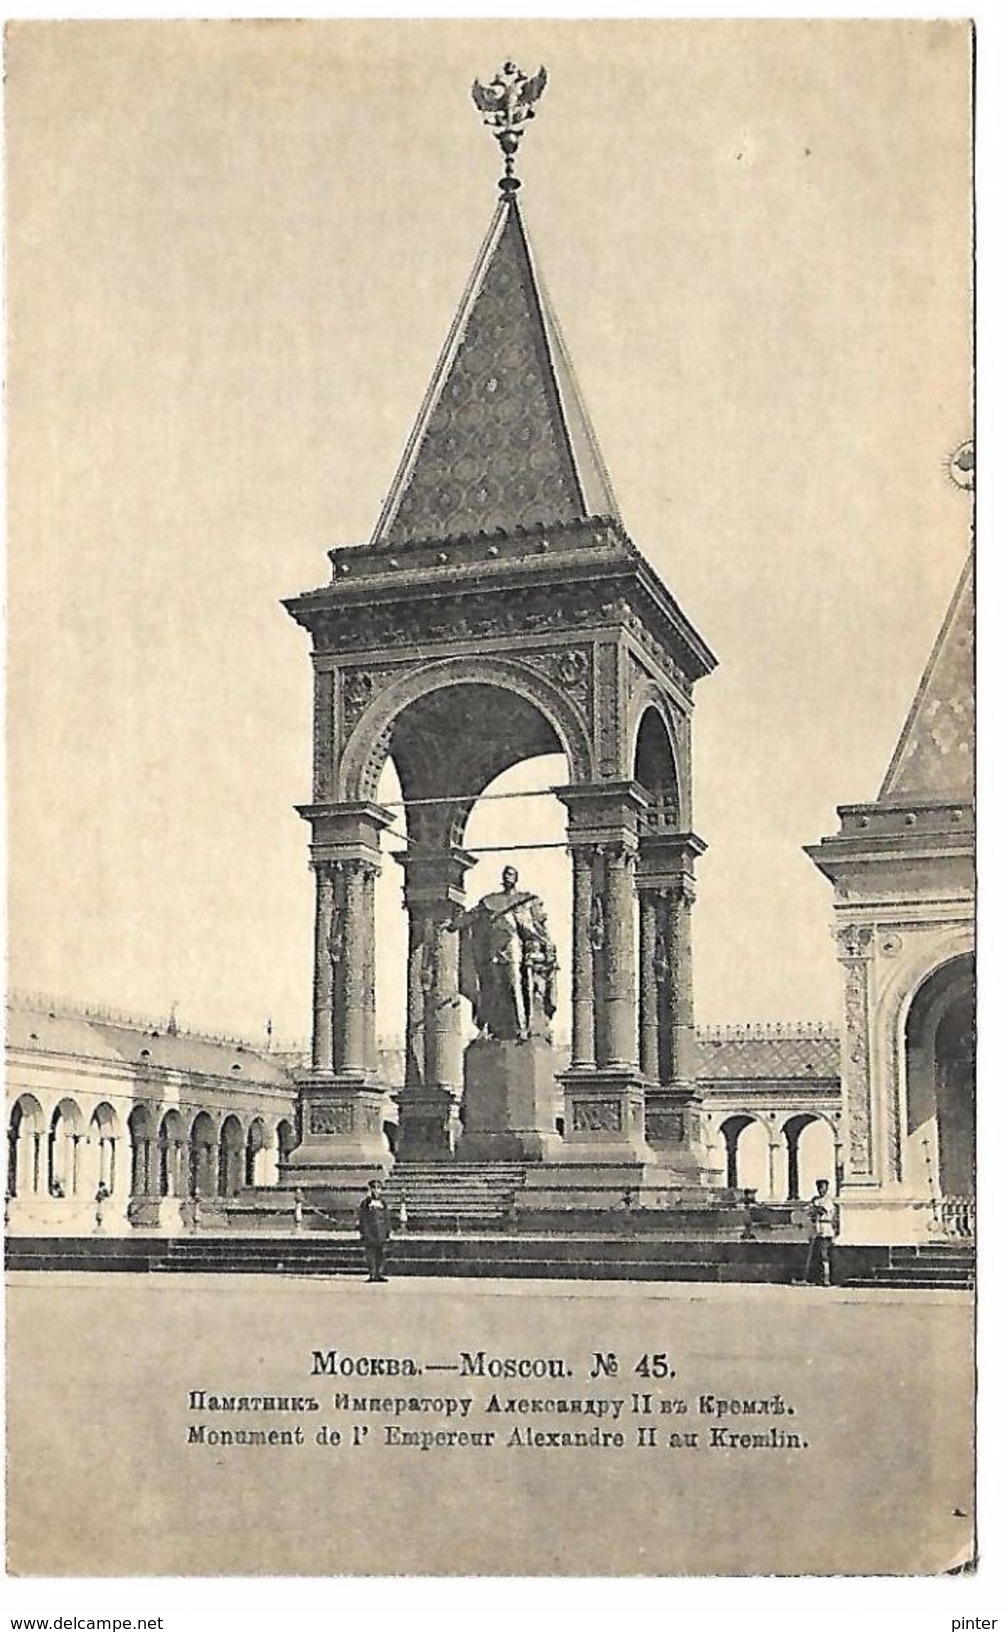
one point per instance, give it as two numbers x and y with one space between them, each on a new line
902 869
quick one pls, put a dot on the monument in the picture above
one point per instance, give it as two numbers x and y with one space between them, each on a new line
500 611
507 970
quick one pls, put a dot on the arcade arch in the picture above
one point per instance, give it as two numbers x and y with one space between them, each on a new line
66 1134
655 768
257 1154
940 1058
172 1155
286 1137
203 1158
746 1143
810 1142
142 1125
456 724
230 1157
25 1136
102 1150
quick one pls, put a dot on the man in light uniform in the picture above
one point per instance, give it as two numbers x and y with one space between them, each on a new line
823 1220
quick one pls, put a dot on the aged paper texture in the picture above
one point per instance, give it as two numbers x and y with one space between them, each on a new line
235 251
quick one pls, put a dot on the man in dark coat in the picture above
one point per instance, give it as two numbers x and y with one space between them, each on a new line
374 1222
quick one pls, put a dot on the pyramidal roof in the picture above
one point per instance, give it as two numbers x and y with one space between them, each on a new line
502 439
935 755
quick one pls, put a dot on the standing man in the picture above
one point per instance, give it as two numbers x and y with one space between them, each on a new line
823 1222
374 1222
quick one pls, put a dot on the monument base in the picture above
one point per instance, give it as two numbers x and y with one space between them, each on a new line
429 1125
341 1133
573 1184
509 1103
604 1116
674 1133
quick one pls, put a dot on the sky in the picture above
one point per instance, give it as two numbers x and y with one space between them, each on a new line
234 250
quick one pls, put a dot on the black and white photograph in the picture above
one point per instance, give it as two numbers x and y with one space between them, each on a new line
491 1047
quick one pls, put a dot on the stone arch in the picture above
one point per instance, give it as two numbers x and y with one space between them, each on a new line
25 1134
202 1155
913 972
368 744
800 1181
230 1156
103 1143
655 759
909 1161
172 1153
257 1153
286 1137
940 1073
142 1125
66 1133
738 1175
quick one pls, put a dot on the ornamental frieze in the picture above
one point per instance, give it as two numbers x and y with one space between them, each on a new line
463 617
569 670
323 734
666 1127
334 1117
598 1116
360 687
608 711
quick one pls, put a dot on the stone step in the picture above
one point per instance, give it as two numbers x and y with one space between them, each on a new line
451 1193
481 1255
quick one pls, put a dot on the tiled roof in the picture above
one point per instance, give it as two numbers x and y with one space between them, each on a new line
91 1037
767 1058
503 439
936 752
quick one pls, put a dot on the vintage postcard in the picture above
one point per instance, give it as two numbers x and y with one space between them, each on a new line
490 1042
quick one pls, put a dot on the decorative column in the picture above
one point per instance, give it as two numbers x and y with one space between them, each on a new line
582 960
358 955
679 932
648 985
322 1030
603 1089
371 872
854 948
340 1111
773 1167
666 892
433 894
792 1136
617 1032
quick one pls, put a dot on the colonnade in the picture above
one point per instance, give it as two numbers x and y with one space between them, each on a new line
632 988
56 1159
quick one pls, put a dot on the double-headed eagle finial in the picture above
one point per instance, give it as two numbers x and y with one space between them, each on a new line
507 104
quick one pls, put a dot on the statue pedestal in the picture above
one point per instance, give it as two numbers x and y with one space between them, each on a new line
428 1124
341 1133
509 1104
672 1116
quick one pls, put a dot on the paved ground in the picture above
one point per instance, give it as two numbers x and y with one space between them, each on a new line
863 1466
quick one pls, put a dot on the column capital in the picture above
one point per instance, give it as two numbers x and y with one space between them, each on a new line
853 941
432 878
356 866
346 831
667 862
603 812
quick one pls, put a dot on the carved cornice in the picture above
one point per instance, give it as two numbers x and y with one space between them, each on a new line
373 603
